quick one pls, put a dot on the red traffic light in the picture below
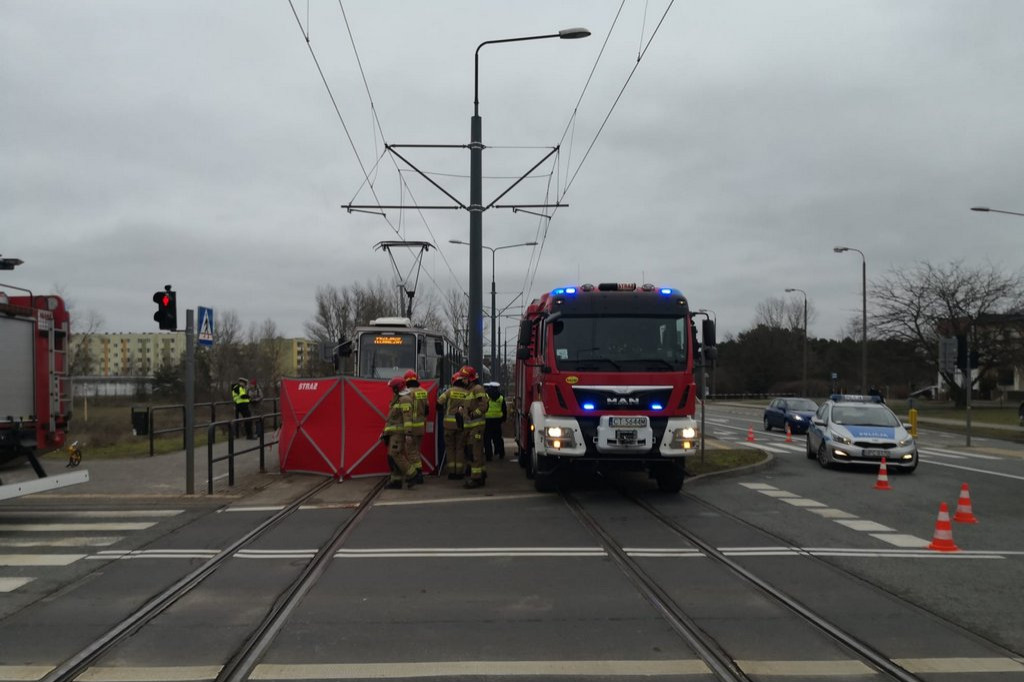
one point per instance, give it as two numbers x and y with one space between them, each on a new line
166 314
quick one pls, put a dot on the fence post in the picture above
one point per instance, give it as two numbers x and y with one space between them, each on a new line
210 435
231 458
151 431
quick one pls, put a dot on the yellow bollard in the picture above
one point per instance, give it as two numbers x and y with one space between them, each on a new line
913 422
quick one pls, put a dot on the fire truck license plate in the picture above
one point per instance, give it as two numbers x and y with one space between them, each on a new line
626 437
640 422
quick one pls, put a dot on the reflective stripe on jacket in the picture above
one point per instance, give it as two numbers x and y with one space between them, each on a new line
420 408
476 406
452 400
239 395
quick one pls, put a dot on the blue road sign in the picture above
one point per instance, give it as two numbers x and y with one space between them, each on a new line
204 337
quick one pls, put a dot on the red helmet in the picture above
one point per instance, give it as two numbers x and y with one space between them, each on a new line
457 377
396 384
411 376
468 372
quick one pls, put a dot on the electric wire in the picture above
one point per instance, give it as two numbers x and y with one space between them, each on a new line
380 128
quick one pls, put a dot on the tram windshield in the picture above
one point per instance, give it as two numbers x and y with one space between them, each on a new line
386 354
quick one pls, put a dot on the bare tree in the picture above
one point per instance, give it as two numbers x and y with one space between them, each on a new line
922 304
776 312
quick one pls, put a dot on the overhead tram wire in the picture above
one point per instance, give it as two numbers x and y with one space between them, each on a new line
367 181
604 122
380 129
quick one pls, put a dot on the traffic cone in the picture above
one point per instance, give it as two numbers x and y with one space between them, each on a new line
942 541
963 507
750 435
883 477
789 434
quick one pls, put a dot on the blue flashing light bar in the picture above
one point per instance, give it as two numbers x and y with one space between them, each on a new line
570 290
657 406
588 406
665 291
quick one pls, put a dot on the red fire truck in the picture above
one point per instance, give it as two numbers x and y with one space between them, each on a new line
605 378
35 393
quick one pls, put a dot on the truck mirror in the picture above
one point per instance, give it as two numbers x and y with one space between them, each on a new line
345 348
710 354
522 353
707 333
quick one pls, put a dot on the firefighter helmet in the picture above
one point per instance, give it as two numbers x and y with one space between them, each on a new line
411 376
397 384
457 377
468 372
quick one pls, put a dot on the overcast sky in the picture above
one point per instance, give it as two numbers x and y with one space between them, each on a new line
195 144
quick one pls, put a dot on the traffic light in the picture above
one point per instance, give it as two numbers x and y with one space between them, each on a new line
166 313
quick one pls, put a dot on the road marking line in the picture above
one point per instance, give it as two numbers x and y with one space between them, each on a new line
39 559
154 674
957 453
830 513
61 542
801 502
977 471
960 665
865 525
758 486
77 527
900 539
448 500
10 585
81 514
816 669
446 669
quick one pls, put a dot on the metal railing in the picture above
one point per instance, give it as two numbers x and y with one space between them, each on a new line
199 406
233 426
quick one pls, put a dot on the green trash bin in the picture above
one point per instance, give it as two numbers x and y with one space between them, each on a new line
140 420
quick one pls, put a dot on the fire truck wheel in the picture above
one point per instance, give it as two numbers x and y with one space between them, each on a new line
545 474
669 476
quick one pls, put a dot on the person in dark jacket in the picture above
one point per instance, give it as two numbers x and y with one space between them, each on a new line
497 412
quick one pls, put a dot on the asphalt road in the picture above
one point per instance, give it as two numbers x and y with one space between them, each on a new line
505 583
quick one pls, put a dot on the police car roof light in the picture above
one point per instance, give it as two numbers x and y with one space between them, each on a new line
853 398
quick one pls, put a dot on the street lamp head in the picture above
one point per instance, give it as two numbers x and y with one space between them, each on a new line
573 33
457 241
530 244
981 208
10 263
789 291
840 249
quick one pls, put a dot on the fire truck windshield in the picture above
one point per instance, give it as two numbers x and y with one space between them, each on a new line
619 344
383 355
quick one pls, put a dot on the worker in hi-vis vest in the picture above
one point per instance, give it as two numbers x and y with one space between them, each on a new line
497 412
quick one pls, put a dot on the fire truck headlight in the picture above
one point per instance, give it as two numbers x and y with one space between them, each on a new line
559 437
684 437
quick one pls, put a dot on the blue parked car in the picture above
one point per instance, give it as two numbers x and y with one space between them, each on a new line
796 412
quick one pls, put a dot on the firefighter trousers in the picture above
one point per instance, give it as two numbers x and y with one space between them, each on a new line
455 449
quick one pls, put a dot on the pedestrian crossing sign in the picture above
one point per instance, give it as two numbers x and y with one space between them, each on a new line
205 325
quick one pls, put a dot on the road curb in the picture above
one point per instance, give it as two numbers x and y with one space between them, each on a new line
767 463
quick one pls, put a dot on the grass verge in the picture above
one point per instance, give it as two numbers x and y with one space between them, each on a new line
723 460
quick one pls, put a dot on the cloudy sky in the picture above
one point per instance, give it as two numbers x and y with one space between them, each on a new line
195 144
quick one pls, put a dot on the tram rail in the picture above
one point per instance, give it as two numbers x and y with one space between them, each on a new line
245 658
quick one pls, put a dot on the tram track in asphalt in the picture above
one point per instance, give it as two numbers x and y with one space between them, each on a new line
715 653
246 656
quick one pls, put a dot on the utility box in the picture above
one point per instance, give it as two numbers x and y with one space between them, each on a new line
140 420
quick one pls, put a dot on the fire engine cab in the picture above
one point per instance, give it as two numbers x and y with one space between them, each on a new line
605 378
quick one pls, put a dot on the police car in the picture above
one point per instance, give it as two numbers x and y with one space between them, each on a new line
849 429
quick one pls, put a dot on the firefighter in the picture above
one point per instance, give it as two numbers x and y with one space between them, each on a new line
395 427
497 412
452 402
240 397
420 413
476 408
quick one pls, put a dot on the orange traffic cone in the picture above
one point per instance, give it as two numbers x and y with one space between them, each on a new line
942 541
963 507
789 434
883 477
750 435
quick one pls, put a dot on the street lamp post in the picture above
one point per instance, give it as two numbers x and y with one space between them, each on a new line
789 291
864 318
494 312
476 208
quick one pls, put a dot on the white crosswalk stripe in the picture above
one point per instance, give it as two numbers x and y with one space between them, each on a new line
31 540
